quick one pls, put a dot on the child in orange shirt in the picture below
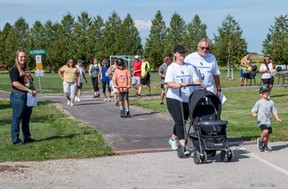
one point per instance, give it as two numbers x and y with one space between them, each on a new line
121 80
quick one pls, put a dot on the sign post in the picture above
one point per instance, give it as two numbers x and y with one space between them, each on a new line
39 70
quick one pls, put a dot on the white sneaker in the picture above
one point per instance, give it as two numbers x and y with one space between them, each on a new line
68 102
105 100
78 99
173 144
109 100
71 104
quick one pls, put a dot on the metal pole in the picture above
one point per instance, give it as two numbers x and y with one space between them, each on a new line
39 82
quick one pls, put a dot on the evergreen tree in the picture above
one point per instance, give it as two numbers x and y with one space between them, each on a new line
107 44
128 40
36 41
63 45
6 60
16 39
154 46
175 34
95 36
82 29
276 43
196 31
229 45
49 33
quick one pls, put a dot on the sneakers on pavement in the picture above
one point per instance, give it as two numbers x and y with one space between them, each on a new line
266 149
186 151
68 102
173 144
260 144
77 99
109 100
128 114
122 113
105 100
71 104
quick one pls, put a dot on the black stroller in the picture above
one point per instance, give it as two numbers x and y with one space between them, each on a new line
206 130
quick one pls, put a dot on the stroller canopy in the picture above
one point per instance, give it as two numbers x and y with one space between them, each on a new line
204 97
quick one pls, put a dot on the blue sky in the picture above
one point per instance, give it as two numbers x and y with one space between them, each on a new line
255 17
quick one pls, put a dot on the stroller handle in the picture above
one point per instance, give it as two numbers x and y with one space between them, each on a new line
188 85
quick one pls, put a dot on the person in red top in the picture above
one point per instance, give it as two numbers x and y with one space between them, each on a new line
121 80
137 75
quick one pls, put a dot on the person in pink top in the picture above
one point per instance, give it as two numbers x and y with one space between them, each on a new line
137 75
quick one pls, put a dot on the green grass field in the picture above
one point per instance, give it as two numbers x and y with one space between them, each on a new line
63 137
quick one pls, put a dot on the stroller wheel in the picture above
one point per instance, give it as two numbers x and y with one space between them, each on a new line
226 155
203 157
196 157
200 158
222 155
230 155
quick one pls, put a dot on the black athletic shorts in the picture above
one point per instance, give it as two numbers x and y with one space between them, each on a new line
264 127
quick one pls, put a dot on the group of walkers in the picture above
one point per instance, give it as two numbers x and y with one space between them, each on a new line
199 67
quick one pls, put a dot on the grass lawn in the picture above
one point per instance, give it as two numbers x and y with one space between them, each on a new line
58 136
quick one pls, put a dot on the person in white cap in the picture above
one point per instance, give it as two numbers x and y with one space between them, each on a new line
136 76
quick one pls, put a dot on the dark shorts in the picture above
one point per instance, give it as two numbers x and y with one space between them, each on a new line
267 81
145 80
246 75
123 96
80 86
264 127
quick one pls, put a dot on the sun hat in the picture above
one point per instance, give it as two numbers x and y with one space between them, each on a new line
136 57
263 89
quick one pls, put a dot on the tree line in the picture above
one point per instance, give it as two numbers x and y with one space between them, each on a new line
85 37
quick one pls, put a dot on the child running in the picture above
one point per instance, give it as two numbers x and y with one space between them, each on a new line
263 110
121 80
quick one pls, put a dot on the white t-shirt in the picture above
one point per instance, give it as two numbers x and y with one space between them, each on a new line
206 66
81 71
266 75
181 74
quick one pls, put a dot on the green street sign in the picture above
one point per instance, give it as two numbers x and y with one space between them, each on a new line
41 51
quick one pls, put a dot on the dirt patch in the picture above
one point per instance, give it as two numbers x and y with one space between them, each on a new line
13 168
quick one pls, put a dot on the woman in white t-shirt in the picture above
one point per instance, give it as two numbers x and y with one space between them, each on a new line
266 70
179 74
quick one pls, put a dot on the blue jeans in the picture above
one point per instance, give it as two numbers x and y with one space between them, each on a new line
21 112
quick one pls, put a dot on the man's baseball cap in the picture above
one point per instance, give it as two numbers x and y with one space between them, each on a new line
179 49
263 89
136 57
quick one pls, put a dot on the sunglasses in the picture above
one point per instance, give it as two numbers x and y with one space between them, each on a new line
22 56
207 48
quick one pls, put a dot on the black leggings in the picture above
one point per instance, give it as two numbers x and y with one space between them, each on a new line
95 83
174 108
104 87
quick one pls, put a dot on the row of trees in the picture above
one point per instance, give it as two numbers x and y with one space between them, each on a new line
86 37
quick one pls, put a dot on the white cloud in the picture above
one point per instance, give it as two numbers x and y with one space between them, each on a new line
143 25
